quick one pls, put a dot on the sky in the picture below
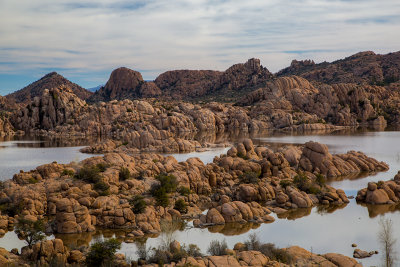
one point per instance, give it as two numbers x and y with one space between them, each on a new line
85 40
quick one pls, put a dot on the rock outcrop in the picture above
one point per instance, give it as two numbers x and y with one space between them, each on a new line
125 83
383 192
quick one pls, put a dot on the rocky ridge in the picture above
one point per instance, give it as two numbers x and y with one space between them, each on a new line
289 98
125 83
361 68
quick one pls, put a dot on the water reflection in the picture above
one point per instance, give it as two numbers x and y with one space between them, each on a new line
376 210
231 229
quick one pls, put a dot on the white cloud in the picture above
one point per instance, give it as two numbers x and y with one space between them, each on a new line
93 36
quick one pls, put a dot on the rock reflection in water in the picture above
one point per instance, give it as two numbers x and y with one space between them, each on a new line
325 209
230 229
294 214
375 210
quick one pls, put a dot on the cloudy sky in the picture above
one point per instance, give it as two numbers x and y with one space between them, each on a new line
85 40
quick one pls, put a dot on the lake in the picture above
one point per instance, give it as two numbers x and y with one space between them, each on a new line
319 229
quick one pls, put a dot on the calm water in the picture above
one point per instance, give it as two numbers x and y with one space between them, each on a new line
27 155
316 229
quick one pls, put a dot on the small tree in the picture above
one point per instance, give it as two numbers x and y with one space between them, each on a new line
387 241
31 231
102 253
217 248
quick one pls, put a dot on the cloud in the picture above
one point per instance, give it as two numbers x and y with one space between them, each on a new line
90 38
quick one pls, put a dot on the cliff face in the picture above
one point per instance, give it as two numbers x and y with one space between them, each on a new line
54 107
361 68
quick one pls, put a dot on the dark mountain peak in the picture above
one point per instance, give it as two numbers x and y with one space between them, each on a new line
49 81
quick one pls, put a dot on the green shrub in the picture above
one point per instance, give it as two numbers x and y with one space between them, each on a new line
89 174
301 181
31 231
138 204
67 172
33 180
243 156
129 110
285 183
217 248
380 184
313 189
250 177
320 179
102 167
181 206
168 184
102 253
102 188
161 196
184 191
124 174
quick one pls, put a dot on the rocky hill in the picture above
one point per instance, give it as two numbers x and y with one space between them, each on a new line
224 86
49 81
364 67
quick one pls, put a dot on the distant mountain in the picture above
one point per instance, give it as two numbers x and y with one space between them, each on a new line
94 89
186 84
49 81
364 67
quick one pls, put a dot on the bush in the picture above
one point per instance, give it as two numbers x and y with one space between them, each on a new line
250 177
89 174
285 183
253 243
138 203
102 188
67 172
320 179
193 251
168 184
268 249
161 196
31 231
102 253
302 182
243 156
184 191
124 174
181 206
217 248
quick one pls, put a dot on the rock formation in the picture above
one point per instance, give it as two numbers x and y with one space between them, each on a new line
231 188
383 192
125 83
49 81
